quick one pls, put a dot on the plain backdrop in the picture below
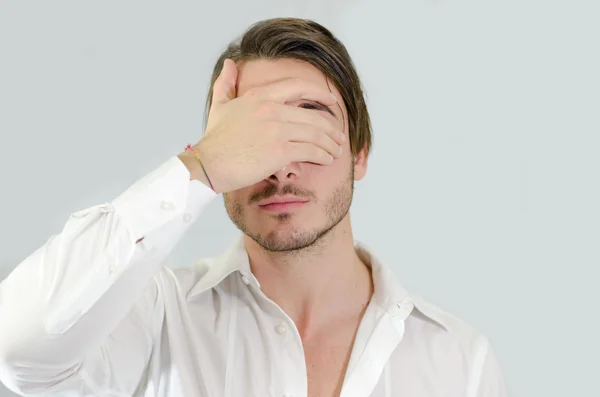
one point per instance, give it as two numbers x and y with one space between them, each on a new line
483 187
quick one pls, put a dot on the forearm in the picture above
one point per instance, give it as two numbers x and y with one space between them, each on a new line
70 294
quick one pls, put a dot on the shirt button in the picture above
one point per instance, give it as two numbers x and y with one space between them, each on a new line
167 205
112 269
281 329
245 279
187 218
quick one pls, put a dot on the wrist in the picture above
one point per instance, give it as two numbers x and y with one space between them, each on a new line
188 158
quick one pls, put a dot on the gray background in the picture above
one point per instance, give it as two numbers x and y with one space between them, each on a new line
483 186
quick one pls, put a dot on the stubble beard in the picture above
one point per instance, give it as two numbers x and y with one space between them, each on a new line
296 240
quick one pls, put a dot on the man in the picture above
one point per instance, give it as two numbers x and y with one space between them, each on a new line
294 308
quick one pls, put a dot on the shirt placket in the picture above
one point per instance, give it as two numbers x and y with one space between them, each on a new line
294 379
292 362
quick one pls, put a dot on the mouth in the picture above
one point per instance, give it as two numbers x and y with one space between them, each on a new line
279 204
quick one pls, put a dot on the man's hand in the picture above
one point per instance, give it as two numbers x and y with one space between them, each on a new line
250 137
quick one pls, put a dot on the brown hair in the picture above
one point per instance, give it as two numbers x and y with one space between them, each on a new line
307 41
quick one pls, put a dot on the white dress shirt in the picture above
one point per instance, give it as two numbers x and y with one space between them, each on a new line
92 313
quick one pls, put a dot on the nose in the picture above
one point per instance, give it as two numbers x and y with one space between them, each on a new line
287 174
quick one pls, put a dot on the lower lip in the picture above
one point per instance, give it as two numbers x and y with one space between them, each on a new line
278 207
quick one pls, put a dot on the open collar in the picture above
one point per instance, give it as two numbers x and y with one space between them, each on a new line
389 294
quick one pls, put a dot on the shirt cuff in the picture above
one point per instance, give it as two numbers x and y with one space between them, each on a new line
161 196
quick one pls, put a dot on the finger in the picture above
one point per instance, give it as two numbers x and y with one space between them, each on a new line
294 114
224 87
288 90
307 152
305 133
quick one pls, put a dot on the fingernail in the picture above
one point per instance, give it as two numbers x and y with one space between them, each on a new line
333 96
340 150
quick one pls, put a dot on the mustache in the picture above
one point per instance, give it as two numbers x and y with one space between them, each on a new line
273 190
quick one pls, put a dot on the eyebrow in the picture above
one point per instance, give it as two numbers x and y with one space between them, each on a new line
319 106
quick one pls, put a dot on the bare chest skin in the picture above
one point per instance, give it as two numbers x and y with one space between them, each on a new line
327 356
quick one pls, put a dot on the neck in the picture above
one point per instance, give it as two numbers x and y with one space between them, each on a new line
319 284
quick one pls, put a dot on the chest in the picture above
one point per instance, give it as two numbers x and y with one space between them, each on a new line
327 360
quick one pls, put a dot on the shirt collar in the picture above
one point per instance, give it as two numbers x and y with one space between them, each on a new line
389 294
210 272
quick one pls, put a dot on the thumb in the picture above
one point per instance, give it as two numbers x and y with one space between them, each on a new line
224 87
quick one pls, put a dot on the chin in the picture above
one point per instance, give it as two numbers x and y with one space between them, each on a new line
287 237
285 242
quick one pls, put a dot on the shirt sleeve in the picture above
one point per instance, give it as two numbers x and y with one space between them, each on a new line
59 306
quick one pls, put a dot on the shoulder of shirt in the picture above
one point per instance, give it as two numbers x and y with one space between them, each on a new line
456 327
457 337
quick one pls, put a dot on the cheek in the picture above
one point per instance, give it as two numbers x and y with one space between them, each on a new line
234 198
326 177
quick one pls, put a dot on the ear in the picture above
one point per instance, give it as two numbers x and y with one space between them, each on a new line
360 165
